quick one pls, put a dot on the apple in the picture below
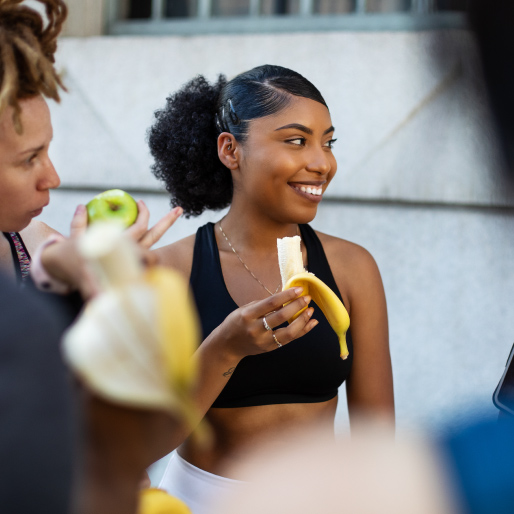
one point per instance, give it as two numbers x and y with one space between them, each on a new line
112 205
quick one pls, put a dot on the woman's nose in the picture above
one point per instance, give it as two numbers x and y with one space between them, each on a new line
49 179
319 162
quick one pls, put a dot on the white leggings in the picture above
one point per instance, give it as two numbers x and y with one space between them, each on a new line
199 489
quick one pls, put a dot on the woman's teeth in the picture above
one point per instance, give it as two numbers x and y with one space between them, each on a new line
311 190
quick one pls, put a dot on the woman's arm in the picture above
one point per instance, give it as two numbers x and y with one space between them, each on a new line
242 333
370 384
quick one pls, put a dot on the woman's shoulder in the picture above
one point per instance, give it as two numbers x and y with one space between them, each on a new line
178 255
352 254
354 268
35 234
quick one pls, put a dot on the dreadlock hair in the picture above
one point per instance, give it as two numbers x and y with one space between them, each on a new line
27 47
183 137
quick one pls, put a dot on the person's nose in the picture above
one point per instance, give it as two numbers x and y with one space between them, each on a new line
49 178
319 161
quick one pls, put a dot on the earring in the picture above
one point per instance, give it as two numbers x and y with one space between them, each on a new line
229 147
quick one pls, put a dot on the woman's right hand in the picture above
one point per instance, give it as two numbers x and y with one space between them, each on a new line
244 331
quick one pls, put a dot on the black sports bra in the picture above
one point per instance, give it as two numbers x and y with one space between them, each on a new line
307 370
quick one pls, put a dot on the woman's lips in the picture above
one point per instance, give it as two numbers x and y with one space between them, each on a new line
315 195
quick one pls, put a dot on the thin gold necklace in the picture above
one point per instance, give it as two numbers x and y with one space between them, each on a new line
244 264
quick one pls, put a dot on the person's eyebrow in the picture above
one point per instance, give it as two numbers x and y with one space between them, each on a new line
33 150
303 128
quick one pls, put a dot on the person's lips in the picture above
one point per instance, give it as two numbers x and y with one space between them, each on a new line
310 191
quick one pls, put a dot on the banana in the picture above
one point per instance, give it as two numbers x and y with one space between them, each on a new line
158 501
293 274
133 343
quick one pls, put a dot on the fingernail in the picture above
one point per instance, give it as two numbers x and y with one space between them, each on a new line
310 312
298 290
178 211
80 208
307 299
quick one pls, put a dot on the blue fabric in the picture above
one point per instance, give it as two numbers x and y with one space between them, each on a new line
481 459
307 370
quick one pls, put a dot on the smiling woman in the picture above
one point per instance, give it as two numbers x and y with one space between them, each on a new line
261 144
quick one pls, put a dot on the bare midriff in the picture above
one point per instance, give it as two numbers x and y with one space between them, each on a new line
236 430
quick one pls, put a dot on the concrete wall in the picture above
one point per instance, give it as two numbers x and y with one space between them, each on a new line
418 181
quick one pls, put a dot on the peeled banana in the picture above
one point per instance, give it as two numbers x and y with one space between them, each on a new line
293 274
133 343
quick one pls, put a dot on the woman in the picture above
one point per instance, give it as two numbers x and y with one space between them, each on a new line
26 172
27 74
262 144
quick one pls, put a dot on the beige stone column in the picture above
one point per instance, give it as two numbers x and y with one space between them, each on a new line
85 18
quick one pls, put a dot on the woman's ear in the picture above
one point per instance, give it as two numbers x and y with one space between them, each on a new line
227 150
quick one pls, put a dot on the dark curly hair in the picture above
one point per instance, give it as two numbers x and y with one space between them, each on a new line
183 140
27 47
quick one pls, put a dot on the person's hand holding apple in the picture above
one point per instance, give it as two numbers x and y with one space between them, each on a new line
62 260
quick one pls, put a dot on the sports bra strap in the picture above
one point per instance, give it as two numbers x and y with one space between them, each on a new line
20 255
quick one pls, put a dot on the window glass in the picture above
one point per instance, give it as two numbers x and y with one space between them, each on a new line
273 7
230 7
136 9
334 6
180 8
388 5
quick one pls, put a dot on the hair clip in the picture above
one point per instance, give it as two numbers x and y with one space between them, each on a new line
218 123
233 116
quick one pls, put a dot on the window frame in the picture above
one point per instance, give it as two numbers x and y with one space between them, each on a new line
422 16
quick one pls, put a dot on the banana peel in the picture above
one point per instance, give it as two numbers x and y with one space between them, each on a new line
158 501
294 274
133 344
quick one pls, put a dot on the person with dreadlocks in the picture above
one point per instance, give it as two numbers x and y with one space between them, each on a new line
27 74
63 449
28 42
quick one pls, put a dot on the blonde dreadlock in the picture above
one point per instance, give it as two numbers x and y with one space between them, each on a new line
27 48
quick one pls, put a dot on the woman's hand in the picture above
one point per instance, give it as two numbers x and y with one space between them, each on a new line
63 262
146 237
249 330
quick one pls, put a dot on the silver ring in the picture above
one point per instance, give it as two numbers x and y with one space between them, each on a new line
276 340
265 323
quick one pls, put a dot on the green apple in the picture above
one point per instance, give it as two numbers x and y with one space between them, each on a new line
112 205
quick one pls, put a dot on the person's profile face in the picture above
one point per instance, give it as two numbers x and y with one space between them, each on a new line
26 171
286 163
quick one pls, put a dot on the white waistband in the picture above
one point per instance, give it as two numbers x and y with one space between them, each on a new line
205 476
199 489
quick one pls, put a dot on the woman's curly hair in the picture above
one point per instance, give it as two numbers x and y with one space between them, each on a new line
183 144
183 140
27 47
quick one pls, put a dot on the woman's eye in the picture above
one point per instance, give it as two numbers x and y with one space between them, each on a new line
330 144
31 159
300 141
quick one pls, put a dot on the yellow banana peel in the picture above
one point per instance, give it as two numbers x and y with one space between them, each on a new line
293 274
158 501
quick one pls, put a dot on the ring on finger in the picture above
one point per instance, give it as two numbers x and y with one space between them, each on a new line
265 323
276 340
